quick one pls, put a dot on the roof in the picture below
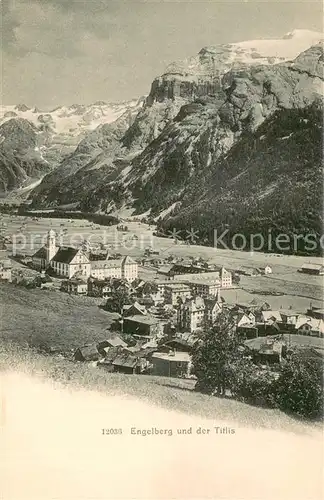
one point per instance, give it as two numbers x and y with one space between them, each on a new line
174 356
196 303
271 347
180 342
77 281
242 315
111 354
150 344
315 324
238 296
6 264
136 305
65 254
128 260
267 315
165 269
313 267
147 320
248 326
125 360
106 264
263 343
115 341
188 337
208 278
41 253
245 269
178 286
97 256
317 309
88 351
211 302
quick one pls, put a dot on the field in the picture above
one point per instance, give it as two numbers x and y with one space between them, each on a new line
50 318
297 290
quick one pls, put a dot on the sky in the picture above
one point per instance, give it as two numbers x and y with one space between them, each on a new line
61 52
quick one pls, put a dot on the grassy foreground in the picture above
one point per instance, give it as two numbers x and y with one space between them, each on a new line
40 318
50 319
172 394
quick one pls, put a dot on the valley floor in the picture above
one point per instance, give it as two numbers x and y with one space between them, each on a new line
297 290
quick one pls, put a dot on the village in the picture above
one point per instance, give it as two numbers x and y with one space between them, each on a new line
161 304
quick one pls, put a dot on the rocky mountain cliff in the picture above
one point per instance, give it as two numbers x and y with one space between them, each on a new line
20 156
205 130
56 134
201 75
195 117
269 183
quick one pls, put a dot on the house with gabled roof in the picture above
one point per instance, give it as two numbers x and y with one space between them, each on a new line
191 314
143 326
309 268
64 260
5 270
214 306
270 316
309 326
134 309
75 285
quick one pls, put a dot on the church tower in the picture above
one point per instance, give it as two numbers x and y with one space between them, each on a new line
50 245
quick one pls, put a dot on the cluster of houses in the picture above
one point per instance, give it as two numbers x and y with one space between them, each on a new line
265 321
171 358
165 316
165 335
162 347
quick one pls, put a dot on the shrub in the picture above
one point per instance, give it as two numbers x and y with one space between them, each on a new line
300 387
252 384
213 355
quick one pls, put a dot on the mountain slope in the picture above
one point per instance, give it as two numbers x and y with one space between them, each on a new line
57 133
20 157
165 159
271 181
92 164
205 130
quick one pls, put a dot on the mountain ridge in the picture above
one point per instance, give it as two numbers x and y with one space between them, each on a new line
177 145
57 135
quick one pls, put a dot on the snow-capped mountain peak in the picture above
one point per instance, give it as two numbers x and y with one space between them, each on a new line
71 121
213 60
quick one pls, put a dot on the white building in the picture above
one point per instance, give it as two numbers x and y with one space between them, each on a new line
206 283
191 314
124 268
67 261
5 270
176 291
